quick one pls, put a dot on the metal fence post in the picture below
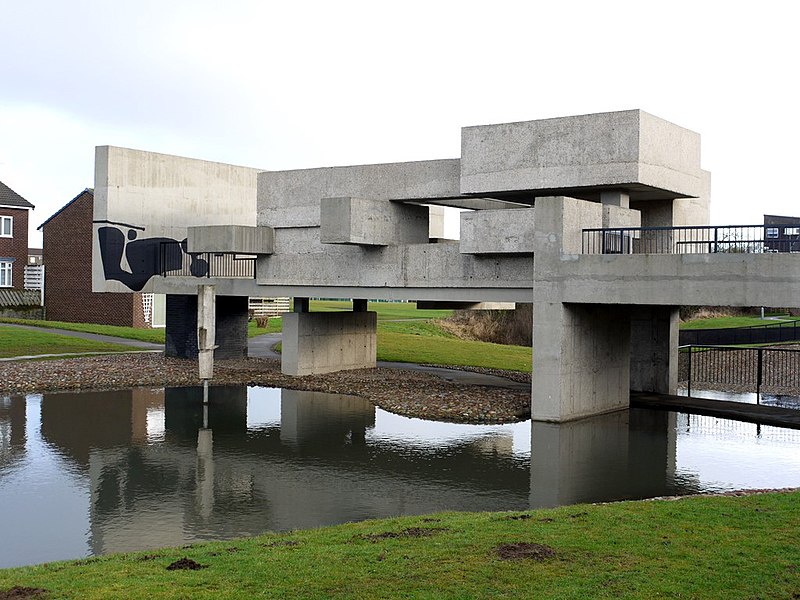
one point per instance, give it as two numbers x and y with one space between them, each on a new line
689 382
759 374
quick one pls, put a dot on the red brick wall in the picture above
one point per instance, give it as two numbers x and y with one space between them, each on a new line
16 247
68 294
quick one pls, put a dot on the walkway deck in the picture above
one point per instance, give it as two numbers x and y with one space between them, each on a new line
738 411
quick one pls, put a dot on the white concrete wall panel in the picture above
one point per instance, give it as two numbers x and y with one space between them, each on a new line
150 196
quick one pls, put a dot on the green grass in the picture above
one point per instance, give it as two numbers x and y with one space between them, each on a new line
702 547
15 341
726 322
155 336
385 310
413 338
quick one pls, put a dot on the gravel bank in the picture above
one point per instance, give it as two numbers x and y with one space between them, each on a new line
403 392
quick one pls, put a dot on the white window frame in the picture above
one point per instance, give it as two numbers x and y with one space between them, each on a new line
6 273
791 231
3 220
773 232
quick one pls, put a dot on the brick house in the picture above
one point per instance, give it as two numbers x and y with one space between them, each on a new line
67 252
14 211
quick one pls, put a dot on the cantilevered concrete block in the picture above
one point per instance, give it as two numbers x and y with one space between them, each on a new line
579 156
230 238
367 222
497 231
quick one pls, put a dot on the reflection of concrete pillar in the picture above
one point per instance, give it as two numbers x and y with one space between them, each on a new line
205 473
654 349
316 343
307 417
622 455
581 358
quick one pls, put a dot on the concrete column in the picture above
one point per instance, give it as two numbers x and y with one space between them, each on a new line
206 330
359 305
315 343
581 360
654 349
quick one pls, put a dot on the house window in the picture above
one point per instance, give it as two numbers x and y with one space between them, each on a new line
791 231
5 273
772 232
6 226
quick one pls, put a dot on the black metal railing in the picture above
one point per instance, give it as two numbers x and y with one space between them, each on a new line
768 333
694 239
746 369
176 262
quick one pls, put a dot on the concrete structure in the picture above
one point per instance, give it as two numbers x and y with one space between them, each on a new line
603 324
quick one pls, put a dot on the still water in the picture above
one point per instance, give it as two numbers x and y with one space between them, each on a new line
90 473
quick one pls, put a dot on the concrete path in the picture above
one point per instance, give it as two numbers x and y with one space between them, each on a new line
262 347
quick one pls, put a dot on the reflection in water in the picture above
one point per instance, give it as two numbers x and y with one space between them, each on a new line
148 467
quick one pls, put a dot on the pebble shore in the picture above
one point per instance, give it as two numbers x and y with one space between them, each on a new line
403 392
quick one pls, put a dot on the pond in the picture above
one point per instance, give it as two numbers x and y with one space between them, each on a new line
96 472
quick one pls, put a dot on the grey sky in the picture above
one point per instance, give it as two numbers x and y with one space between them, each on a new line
288 85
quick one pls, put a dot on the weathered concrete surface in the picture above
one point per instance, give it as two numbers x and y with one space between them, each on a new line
150 196
315 343
230 238
292 198
497 231
648 157
368 222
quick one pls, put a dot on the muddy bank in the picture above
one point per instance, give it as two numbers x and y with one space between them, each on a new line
400 391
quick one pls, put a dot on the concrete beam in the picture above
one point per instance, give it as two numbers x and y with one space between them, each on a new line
367 222
292 198
230 238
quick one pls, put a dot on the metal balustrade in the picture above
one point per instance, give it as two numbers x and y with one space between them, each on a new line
693 239
175 262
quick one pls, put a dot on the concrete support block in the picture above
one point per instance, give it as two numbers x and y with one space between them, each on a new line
581 357
497 231
654 349
230 238
316 343
617 216
364 222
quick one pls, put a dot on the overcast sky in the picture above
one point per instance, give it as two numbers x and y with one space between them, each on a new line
281 85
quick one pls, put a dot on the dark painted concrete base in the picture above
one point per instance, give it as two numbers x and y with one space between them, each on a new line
181 330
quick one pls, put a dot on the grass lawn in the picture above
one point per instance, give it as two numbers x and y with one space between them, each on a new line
701 547
412 338
16 341
725 322
385 310
154 336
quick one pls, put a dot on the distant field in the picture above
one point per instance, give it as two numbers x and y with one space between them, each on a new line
726 322
385 310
